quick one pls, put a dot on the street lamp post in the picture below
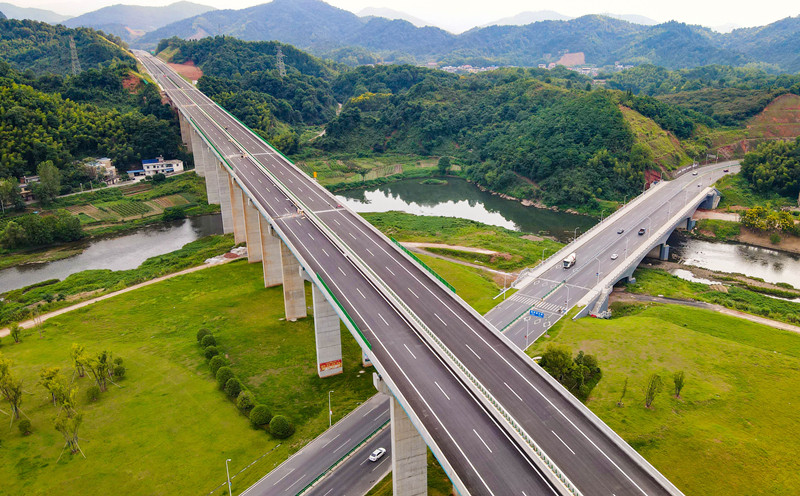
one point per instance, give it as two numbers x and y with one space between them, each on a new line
527 330
541 261
575 234
228 472
330 412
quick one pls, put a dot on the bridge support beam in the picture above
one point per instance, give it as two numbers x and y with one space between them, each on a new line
294 291
328 335
251 230
202 155
237 211
409 456
224 195
664 252
270 254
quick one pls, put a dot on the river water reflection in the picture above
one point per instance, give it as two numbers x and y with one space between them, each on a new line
462 199
123 252
771 265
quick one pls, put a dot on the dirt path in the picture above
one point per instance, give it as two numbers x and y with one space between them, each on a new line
450 247
620 296
29 323
716 214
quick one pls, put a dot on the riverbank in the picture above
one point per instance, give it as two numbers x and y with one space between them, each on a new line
110 212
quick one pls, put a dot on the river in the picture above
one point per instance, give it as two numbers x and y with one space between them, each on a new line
459 198
126 251
770 265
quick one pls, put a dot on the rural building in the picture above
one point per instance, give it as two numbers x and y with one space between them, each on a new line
155 166
25 186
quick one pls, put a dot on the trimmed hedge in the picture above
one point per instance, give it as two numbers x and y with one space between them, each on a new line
233 387
222 375
280 427
215 363
210 352
260 415
202 333
246 401
208 340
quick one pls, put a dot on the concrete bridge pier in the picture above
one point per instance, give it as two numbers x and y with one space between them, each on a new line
186 133
237 211
690 223
270 254
199 153
328 335
224 195
660 251
251 230
294 291
409 451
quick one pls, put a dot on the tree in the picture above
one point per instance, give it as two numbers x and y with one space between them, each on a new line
99 367
222 376
49 185
54 382
651 389
624 392
15 330
260 415
92 393
10 387
678 380
119 372
210 352
208 340
557 361
215 363
280 427
77 353
245 401
9 194
233 387
203 332
67 423
444 165
13 236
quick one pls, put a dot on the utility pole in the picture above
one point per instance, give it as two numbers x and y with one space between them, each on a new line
73 52
281 67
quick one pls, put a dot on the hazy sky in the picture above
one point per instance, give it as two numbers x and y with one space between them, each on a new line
458 15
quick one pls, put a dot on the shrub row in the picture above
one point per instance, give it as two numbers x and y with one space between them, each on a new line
260 416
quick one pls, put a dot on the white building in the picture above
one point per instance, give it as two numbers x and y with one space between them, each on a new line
156 166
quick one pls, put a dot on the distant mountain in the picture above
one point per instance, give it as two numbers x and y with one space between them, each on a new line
393 15
529 17
328 31
132 21
636 19
14 12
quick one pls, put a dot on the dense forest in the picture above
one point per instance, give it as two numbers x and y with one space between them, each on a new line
245 79
44 48
774 167
512 131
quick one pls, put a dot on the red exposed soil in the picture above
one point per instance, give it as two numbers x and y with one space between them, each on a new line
572 59
131 83
188 70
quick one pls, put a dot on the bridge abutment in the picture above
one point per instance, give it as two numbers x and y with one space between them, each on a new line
270 254
327 334
409 455
251 230
294 292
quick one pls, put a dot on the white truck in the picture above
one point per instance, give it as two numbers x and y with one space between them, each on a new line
570 260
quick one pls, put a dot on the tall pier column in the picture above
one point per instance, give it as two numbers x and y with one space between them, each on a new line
237 211
409 456
199 152
223 188
270 254
294 291
251 230
186 133
327 333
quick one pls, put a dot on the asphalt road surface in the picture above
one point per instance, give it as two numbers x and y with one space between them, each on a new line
558 289
320 454
480 452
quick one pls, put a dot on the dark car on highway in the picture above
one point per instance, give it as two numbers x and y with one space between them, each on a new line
642 231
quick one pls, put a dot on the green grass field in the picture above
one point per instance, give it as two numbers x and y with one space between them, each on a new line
168 430
126 208
733 430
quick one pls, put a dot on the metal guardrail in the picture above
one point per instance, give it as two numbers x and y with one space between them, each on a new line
424 265
426 333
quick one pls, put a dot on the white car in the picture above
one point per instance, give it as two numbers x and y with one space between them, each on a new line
614 256
377 454
694 173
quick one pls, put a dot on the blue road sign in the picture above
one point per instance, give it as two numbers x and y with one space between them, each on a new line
536 313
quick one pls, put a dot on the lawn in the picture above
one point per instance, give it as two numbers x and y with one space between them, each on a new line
167 430
734 429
